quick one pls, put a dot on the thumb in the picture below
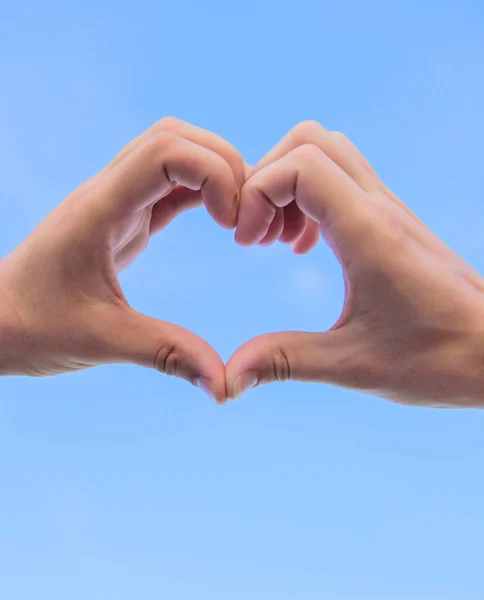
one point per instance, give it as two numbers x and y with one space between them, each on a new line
138 339
290 355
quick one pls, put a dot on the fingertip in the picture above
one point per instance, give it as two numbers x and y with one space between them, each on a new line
205 385
246 367
308 240
240 241
265 243
300 251
295 223
243 384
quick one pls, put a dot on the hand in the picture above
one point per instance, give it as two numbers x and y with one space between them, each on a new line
412 325
59 292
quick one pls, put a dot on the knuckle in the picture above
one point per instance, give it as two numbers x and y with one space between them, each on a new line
280 365
308 153
167 360
170 123
339 137
160 143
164 138
306 130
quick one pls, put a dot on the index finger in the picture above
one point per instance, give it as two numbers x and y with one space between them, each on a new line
311 132
194 134
145 175
321 189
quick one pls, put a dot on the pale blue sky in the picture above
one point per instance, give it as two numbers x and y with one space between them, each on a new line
121 483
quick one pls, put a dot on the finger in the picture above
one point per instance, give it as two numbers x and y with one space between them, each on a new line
138 339
284 356
248 170
194 134
321 189
149 172
352 151
306 133
311 132
275 229
294 224
384 193
309 238
178 201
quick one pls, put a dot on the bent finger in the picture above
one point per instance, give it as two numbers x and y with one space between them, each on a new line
321 189
309 238
149 173
194 134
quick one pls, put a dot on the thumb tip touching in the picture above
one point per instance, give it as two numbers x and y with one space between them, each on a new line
258 361
242 384
282 356
170 349
138 339
212 390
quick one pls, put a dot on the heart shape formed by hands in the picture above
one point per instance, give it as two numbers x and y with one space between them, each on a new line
407 331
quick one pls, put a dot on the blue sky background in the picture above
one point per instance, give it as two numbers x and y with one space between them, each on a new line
121 483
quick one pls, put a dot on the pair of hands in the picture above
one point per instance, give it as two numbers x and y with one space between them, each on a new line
412 325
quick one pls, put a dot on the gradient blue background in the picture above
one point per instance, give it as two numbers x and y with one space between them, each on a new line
121 483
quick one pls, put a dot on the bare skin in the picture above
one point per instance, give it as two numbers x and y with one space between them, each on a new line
61 302
412 326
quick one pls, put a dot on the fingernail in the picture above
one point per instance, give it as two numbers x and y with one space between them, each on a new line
245 382
206 386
